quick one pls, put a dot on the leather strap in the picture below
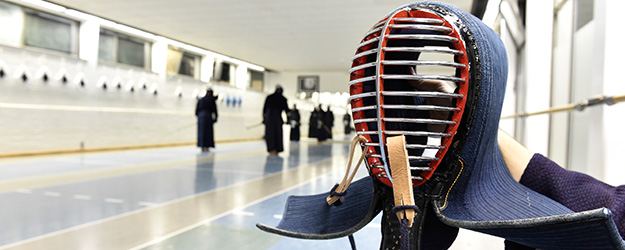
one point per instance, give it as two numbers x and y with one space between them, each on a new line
347 179
402 179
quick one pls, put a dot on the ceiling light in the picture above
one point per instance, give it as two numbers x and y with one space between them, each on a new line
45 5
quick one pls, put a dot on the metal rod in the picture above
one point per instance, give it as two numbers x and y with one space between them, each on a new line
422 93
413 177
423 63
364 53
420 107
370 41
423 50
364 79
373 31
421 27
365 108
609 100
418 20
363 66
424 37
423 77
356 121
363 95
415 120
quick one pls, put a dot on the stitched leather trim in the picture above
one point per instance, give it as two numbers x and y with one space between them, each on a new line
453 184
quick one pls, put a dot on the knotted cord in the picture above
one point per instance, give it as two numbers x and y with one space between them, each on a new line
339 190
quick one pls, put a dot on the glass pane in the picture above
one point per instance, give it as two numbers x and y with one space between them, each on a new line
11 24
173 60
187 65
221 71
256 80
106 48
48 33
585 9
130 52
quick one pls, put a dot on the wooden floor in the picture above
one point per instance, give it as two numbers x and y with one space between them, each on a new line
173 198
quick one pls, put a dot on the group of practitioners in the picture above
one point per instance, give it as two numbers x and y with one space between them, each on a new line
321 121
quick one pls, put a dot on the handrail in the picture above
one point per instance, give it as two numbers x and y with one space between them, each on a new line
581 105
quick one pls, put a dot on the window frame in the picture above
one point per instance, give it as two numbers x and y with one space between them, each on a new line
197 58
74 31
147 46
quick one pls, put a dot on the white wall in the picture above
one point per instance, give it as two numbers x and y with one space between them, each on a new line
328 81
538 44
38 116
585 64
561 83
585 139
609 14
509 107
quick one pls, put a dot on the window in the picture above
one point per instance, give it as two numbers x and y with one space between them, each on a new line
106 47
188 64
221 71
130 52
256 80
11 24
183 63
584 12
50 32
120 48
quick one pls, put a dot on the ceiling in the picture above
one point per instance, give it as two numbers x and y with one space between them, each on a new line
280 35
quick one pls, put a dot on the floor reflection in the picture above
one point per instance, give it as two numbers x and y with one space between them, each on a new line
273 164
205 178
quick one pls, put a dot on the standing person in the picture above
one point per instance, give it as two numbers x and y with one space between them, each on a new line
329 121
272 118
347 119
312 123
323 131
206 112
294 122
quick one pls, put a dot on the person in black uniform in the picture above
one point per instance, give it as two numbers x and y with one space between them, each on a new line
323 130
294 121
206 112
329 121
312 123
347 122
272 118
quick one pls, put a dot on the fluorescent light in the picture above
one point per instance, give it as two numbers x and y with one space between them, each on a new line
185 46
204 52
239 62
255 67
134 31
87 17
81 15
46 5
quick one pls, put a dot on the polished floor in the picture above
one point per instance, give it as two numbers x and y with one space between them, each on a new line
173 198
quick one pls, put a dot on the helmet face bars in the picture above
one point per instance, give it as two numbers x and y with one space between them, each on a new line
393 87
